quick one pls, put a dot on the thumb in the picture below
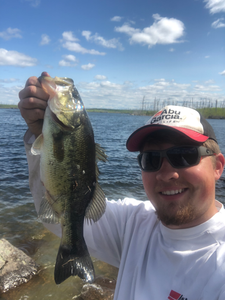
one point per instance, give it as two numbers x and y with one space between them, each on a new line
45 74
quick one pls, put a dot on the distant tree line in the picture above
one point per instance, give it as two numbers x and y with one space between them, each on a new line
157 104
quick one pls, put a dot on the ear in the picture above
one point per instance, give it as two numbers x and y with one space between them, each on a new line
219 165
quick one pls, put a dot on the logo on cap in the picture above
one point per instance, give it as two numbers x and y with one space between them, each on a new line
166 116
158 113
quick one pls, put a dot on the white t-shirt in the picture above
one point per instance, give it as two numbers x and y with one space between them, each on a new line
155 262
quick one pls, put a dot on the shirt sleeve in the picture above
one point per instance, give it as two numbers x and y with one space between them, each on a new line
106 238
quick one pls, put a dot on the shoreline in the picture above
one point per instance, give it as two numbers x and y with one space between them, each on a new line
208 113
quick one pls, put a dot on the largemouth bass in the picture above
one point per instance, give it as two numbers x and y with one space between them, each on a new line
69 173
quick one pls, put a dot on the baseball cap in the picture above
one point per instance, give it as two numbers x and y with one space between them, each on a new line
185 120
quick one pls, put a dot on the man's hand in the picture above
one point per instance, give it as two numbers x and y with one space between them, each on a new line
32 105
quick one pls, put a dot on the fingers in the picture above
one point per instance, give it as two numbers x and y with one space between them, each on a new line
33 102
33 97
30 114
33 90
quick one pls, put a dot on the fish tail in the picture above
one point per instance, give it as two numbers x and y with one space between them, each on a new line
69 263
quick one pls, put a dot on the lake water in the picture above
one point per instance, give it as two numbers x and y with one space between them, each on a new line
120 177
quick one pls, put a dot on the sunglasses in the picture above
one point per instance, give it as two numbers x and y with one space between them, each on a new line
178 157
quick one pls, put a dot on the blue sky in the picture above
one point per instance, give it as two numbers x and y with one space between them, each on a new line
117 52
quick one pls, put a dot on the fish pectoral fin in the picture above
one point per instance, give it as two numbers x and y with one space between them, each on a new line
100 153
96 207
36 147
46 213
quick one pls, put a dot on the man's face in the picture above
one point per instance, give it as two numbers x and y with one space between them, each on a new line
182 197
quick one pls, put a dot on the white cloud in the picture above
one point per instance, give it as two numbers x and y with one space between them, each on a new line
116 19
159 80
68 36
9 93
207 56
113 43
107 94
45 40
86 34
64 63
68 61
69 42
162 31
126 28
34 3
222 73
215 6
210 88
210 81
10 80
87 67
11 33
161 85
71 57
100 77
172 50
14 58
109 84
218 23
78 48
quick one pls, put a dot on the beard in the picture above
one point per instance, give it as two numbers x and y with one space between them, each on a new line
174 214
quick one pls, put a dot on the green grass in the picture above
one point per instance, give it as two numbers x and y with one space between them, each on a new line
208 113
106 110
213 113
8 106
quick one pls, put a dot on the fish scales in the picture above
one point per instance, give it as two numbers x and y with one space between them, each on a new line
69 173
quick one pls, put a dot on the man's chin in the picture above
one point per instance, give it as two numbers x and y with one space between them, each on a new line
175 216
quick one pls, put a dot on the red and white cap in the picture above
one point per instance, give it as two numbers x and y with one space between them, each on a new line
176 118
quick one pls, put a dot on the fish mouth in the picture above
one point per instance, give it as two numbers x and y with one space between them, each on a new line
173 192
64 81
68 96
63 95
67 100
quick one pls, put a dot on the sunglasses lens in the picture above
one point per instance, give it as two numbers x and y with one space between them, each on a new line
183 156
179 157
150 161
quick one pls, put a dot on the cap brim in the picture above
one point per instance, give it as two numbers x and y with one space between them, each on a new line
136 139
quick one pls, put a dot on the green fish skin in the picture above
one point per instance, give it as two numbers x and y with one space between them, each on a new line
69 173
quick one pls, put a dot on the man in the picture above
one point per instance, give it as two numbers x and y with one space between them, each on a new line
173 246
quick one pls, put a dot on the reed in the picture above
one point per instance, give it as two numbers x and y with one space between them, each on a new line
212 112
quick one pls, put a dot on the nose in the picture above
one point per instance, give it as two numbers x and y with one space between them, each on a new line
166 172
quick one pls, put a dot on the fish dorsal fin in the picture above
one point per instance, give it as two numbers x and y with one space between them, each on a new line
96 207
100 153
46 213
37 144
